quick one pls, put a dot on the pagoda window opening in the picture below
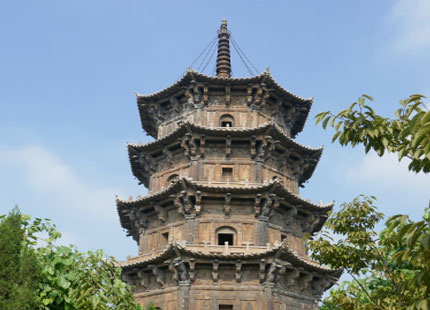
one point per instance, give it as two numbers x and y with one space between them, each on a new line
226 121
171 179
226 235
283 237
225 307
227 173
165 238
225 238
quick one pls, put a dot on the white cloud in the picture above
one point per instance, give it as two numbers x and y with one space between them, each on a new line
388 173
47 175
411 23
398 190
46 186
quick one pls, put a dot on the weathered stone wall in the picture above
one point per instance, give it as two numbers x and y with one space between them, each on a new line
244 117
244 170
225 286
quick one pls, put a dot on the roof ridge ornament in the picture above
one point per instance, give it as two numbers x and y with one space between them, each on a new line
223 64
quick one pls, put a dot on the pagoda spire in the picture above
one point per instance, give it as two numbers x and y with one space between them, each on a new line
223 65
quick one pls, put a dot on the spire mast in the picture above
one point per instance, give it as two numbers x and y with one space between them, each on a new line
223 65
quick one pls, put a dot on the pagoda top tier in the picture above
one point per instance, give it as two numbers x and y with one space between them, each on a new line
199 98
196 91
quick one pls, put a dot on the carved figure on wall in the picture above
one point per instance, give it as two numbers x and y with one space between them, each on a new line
142 279
169 157
138 220
175 104
184 205
288 116
267 146
299 167
158 274
182 270
304 281
171 265
190 97
272 201
155 113
273 272
309 222
147 162
193 95
320 286
291 278
261 96
188 144
282 162
161 213
128 278
290 216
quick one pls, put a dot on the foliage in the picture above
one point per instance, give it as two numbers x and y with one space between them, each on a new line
19 268
69 279
390 270
408 134
383 277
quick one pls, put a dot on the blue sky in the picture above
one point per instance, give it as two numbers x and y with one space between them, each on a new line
69 69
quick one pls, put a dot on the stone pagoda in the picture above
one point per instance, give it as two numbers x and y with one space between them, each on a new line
222 225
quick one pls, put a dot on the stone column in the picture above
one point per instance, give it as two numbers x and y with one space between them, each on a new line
195 168
258 172
190 227
184 295
262 230
268 296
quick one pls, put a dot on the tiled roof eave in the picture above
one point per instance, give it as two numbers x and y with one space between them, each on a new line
276 185
288 254
191 73
233 131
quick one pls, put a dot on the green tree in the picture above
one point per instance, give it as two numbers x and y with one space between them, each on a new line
19 268
390 270
37 274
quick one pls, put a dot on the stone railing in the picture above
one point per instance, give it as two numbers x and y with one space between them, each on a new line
207 248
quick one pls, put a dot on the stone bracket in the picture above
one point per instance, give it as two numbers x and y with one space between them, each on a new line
202 145
227 207
198 205
215 265
262 272
228 146
238 270
192 263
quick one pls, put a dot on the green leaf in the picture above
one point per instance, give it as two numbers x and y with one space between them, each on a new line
325 122
368 97
336 135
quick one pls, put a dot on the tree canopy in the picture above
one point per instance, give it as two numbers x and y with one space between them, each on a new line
37 274
390 269
19 267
